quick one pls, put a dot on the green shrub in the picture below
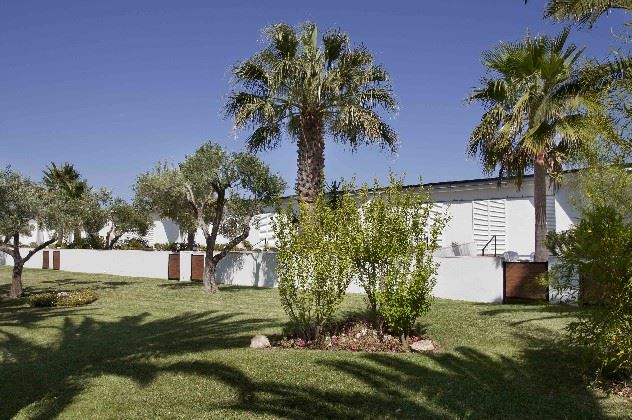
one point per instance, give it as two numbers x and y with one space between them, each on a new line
315 266
91 242
134 244
63 298
393 253
598 250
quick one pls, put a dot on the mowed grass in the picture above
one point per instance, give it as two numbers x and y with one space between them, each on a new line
158 349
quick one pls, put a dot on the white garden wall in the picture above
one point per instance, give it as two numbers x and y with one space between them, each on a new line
476 279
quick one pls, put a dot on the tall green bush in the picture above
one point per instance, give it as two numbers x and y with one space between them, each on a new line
598 250
393 253
314 260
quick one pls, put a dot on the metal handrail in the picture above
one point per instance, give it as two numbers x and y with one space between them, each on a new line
493 238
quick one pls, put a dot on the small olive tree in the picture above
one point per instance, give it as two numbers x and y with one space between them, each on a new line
168 203
116 215
314 260
393 253
223 191
23 204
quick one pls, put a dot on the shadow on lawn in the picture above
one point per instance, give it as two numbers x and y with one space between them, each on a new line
51 376
465 383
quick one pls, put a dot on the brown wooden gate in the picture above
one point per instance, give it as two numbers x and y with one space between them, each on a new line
197 267
45 260
56 258
520 281
173 267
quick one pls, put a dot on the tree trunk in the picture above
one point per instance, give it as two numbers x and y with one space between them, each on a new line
539 202
76 235
311 158
208 278
190 240
16 290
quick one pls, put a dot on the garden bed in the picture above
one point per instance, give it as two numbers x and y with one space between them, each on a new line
357 335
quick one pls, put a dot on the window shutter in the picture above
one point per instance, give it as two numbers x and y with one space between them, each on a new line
550 213
489 219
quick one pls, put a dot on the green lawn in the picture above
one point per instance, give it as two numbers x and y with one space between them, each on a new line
157 349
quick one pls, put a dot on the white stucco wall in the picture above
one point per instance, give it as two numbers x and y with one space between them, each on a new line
475 279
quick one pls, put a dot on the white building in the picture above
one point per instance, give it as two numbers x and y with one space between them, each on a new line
479 209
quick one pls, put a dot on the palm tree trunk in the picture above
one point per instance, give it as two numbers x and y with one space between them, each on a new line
539 202
311 158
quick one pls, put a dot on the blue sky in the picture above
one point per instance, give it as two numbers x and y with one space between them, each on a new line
115 86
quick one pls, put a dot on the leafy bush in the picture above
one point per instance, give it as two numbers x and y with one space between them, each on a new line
598 250
173 246
134 244
63 298
315 266
91 242
393 253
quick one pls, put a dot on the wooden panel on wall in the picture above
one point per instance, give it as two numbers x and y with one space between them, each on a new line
173 267
197 267
521 280
45 259
56 258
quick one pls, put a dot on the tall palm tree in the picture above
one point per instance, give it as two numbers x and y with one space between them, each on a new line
612 76
297 88
65 178
585 12
536 115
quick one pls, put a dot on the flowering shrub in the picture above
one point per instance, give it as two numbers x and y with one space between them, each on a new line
315 266
393 253
352 335
63 298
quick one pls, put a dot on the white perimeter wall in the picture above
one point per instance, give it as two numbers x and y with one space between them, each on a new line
475 279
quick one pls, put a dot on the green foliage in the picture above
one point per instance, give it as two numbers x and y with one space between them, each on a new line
91 242
21 202
66 179
63 298
535 105
137 244
298 89
393 253
220 192
598 249
584 12
293 74
315 264
210 183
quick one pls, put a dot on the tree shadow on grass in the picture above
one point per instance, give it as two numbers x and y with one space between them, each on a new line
541 382
52 375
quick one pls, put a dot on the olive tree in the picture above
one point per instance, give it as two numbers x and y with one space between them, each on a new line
169 203
223 191
116 215
24 203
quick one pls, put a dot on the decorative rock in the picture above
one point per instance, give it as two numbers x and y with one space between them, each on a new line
422 346
259 342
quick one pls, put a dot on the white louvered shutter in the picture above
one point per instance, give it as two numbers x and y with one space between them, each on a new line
550 213
437 210
489 219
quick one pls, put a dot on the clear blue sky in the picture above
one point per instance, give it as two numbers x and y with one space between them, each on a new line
115 86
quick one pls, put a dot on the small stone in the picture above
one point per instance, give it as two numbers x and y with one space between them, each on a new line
422 345
259 342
